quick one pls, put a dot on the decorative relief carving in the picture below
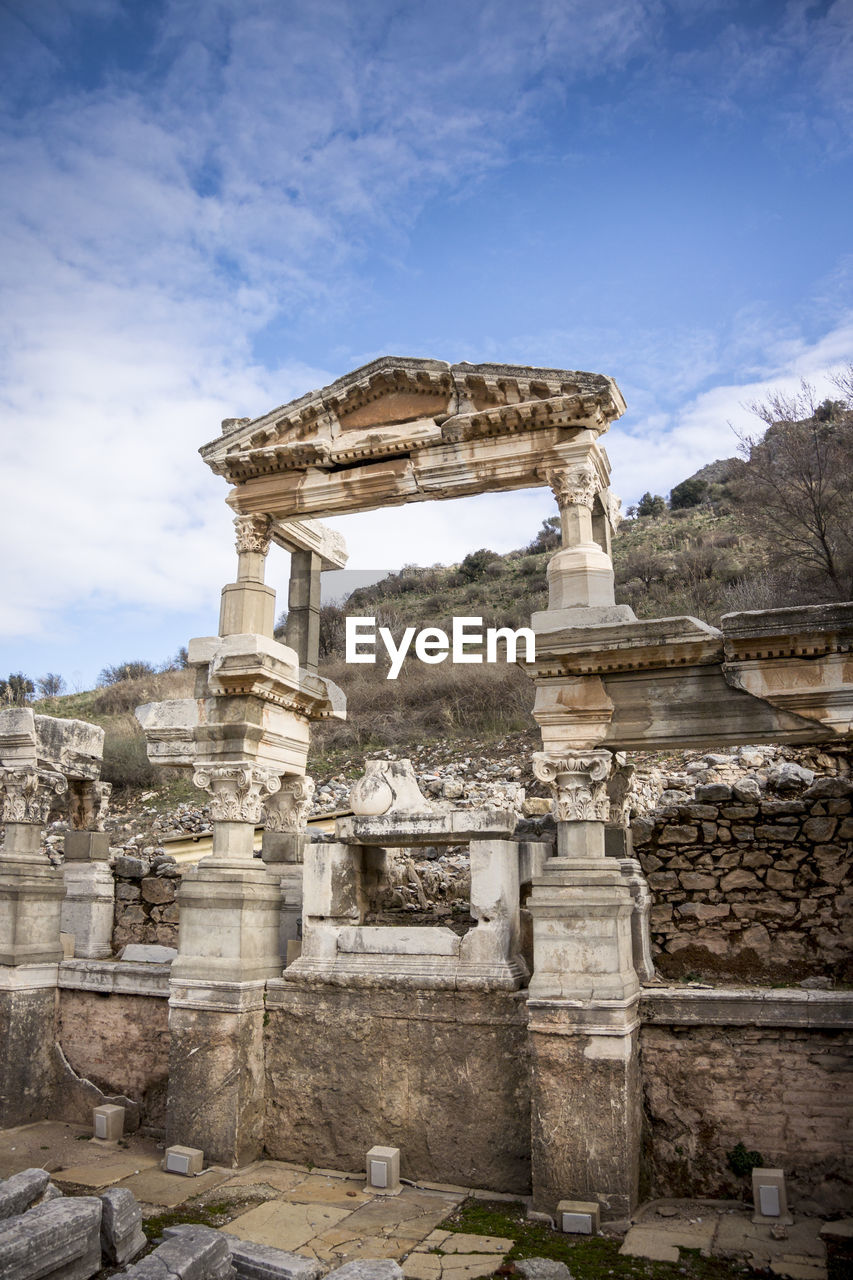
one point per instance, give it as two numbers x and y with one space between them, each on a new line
288 810
28 795
88 803
237 791
613 509
578 783
575 486
253 533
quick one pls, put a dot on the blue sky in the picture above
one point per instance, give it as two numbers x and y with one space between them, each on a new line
210 208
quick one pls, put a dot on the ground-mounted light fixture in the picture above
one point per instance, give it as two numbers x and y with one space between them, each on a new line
383 1171
186 1160
108 1122
769 1197
578 1217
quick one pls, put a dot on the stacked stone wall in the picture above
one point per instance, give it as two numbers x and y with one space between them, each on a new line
782 1092
752 886
145 900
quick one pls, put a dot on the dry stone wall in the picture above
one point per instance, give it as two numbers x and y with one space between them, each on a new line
751 884
146 886
782 1092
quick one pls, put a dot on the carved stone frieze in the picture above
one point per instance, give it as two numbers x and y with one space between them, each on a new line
578 781
288 808
575 486
28 795
254 533
237 791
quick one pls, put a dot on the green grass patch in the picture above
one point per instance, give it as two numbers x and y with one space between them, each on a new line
588 1258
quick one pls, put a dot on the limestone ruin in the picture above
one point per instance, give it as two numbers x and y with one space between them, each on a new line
516 1057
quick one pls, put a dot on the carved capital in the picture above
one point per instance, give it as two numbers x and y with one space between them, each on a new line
253 533
575 486
88 804
578 783
237 791
288 809
619 790
28 795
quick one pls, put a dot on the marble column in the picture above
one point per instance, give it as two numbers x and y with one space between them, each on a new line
248 606
228 947
89 905
31 893
583 1001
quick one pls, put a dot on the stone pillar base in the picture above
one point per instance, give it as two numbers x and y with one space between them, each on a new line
31 893
27 1036
229 930
216 1098
586 1104
88 908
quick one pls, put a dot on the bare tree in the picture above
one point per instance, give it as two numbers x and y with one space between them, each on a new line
795 487
51 685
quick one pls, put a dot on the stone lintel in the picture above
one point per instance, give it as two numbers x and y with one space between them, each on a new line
722 1006
311 535
454 827
115 977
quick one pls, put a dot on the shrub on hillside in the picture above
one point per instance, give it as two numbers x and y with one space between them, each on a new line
126 671
126 763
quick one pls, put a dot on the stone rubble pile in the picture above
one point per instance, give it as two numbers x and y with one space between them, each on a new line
47 1236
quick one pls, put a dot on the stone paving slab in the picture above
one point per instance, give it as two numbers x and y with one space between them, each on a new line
462 1242
285 1225
457 1266
270 1173
154 1186
649 1242
53 1145
349 1193
104 1173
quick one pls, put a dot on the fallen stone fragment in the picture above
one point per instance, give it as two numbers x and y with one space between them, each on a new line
22 1190
62 1237
543 1269
122 1237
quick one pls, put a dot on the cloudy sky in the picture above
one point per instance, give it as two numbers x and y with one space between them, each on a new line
212 206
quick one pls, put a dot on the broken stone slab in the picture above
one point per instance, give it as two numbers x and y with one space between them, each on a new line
368 1269
148 953
21 1191
196 1253
129 868
122 1237
60 1240
72 747
404 829
253 1261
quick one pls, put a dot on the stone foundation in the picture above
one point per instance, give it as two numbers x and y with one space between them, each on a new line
781 1090
121 1044
442 1075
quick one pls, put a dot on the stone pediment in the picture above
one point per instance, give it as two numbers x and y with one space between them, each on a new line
407 429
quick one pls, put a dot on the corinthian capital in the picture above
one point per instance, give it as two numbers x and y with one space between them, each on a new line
237 791
288 809
27 795
574 486
253 533
578 782
88 803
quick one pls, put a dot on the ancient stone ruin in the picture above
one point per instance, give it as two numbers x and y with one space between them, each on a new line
542 1051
